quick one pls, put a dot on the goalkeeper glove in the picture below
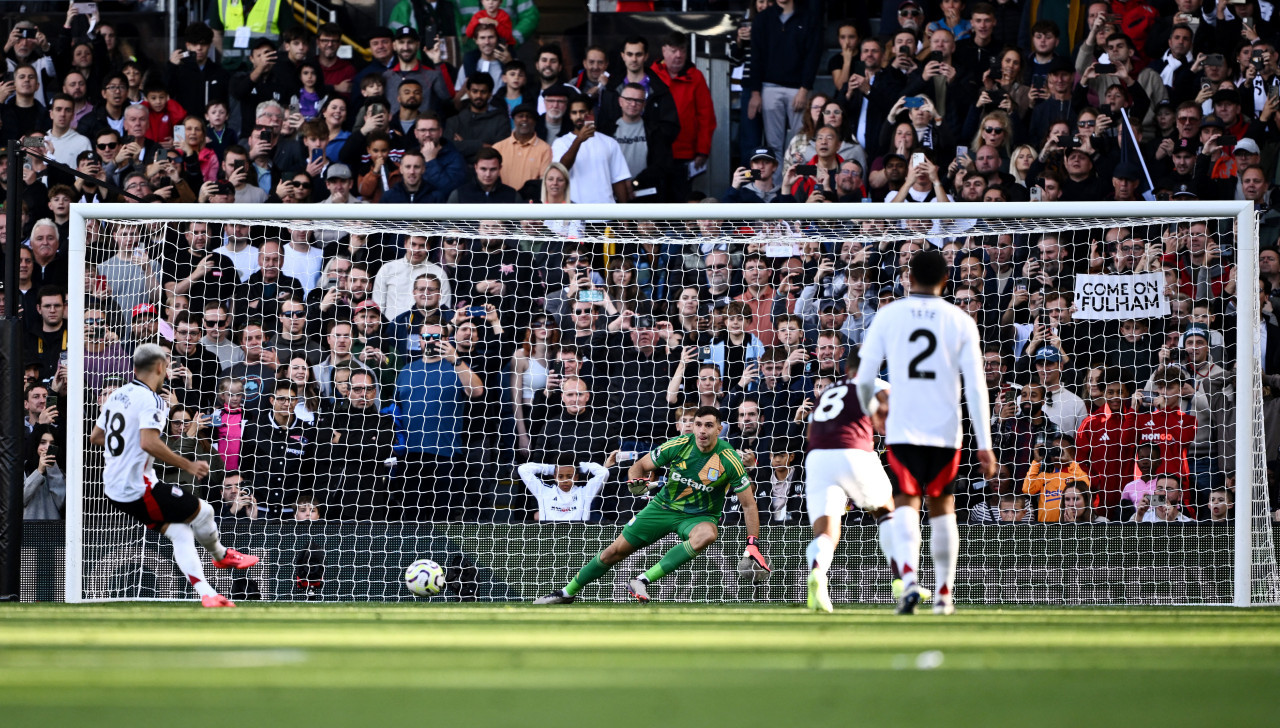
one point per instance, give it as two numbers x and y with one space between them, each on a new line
754 564
639 486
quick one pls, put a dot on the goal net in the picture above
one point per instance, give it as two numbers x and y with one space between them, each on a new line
377 384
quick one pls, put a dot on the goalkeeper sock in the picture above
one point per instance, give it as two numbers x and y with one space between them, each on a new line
944 545
184 552
885 529
820 553
594 569
206 531
679 555
906 522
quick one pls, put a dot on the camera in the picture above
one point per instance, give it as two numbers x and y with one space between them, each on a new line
27 33
644 322
1050 455
590 295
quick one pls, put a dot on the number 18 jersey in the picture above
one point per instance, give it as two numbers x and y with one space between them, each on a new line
928 344
129 410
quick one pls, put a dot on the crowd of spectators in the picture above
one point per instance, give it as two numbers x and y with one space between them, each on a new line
384 376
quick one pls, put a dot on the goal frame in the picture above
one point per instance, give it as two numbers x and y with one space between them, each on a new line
1247 246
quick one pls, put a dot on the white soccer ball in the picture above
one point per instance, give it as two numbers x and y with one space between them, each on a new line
424 577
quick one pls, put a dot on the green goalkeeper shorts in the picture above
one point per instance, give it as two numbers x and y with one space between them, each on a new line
653 522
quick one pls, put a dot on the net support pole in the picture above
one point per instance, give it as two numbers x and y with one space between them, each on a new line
73 575
1246 326
12 429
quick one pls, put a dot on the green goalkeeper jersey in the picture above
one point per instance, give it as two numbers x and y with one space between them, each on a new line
698 482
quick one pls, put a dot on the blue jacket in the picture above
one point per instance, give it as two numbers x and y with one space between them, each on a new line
429 407
445 173
785 54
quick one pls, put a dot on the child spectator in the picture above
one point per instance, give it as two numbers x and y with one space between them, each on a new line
1014 509
1051 472
312 93
1220 510
165 113
219 136
566 500
491 13
515 76
383 173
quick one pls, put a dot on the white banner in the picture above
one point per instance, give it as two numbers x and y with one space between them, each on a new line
1118 297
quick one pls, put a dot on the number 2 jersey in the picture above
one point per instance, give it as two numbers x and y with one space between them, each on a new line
697 481
127 412
838 422
929 345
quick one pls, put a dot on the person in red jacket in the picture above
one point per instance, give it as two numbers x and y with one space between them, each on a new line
165 113
693 106
1162 421
1106 444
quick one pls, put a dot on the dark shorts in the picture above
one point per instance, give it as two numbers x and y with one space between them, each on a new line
923 470
161 503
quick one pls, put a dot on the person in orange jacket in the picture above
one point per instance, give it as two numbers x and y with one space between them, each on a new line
1053 469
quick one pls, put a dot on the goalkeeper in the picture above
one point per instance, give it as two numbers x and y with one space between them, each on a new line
701 469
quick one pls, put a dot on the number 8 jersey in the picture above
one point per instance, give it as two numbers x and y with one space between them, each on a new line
129 410
929 344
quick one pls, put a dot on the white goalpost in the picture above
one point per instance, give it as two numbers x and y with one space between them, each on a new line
389 455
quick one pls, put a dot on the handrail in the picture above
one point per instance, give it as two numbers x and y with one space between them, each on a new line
313 23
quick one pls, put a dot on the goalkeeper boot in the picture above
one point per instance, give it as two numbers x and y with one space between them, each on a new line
213 601
819 600
639 588
910 598
556 597
235 560
896 588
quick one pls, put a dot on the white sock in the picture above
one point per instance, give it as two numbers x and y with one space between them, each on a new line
184 552
820 553
206 531
885 529
944 544
906 525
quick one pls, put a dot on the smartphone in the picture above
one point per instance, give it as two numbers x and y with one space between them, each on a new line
1037 81
627 456
962 151
1272 91
1249 22
476 311
1105 68
1020 284
53 451
1215 59
51 402
316 154
913 102
917 158
590 295
704 353
936 56
644 322
1206 85
216 418
753 174
1226 140
557 367
806 170
237 164
85 9
27 33
179 134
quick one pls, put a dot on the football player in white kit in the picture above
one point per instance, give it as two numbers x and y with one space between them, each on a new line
842 464
130 429
928 344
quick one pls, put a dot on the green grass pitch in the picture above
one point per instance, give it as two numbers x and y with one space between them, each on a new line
632 665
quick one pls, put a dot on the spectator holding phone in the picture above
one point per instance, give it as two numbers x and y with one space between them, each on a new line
755 182
44 490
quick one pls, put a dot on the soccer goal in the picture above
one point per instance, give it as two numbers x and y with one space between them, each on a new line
378 384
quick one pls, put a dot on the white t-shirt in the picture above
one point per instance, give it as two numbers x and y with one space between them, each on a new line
598 165
555 504
245 260
929 345
305 266
129 410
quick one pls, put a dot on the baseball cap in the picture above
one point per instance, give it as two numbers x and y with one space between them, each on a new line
142 308
561 90
1127 170
1224 95
1247 145
405 31
1048 353
88 155
1212 121
524 109
338 170
1186 146
832 304
1184 192
763 153
367 303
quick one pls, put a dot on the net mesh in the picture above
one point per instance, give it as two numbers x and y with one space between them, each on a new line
314 369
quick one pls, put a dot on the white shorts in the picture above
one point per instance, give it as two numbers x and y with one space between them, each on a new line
833 476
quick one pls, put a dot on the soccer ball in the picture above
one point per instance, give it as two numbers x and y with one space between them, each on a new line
424 577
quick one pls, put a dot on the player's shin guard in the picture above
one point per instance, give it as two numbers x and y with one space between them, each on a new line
885 530
184 552
822 549
944 545
592 570
906 524
679 555
206 531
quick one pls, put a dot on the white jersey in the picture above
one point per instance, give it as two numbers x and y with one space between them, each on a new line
557 505
929 344
128 411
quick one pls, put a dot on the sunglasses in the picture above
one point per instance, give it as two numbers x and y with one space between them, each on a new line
993 130
722 266
95 321
293 314
214 323
1087 123
110 145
